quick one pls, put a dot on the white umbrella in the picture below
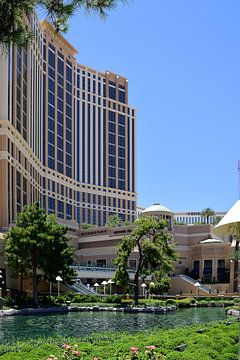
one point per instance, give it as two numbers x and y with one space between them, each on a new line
230 225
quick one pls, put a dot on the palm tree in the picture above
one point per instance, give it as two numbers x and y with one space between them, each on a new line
206 213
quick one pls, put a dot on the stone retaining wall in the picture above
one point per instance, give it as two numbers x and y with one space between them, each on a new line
66 309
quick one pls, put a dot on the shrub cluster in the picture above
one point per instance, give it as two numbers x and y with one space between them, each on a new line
212 341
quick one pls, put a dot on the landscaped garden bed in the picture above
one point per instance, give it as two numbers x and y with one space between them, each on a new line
203 342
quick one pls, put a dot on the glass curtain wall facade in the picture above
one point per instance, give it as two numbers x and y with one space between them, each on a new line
67 135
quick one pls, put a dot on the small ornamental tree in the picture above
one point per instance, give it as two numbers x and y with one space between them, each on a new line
38 244
156 255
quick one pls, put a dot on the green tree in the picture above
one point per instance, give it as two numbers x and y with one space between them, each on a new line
114 221
217 219
206 213
37 244
14 28
156 254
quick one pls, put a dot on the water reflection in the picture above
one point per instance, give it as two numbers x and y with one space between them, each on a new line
81 324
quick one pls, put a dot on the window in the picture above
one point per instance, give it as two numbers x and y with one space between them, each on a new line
112 92
111 138
101 263
111 171
121 141
121 96
132 263
221 264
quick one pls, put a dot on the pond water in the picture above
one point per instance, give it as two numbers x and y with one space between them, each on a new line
84 323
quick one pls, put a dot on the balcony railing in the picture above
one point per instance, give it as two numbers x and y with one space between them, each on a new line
96 268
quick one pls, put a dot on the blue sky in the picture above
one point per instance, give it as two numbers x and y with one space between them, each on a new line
182 59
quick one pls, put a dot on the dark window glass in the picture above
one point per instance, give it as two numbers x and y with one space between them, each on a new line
111 149
68 171
121 96
51 137
60 155
51 204
60 117
111 116
112 183
51 98
51 124
68 147
68 74
111 127
68 135
60 67
68 160
51 72
50 150
121 141
121 119
112 160
60 105
121 174
121 130
112 92
51 85
121 163
111 138
60 92
60 80
60 142
60 130
51 59
111 171
51 163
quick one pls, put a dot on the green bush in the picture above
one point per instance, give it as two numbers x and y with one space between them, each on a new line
171 302
19 301
203 303
219 342
112 299
183 303
80 299
127 302
152 302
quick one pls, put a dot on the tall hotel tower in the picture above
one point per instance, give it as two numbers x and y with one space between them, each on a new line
67 135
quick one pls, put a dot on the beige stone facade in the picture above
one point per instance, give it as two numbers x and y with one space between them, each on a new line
201 255
67 135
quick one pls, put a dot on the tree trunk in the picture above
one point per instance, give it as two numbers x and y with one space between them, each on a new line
21 283
35 288
136 289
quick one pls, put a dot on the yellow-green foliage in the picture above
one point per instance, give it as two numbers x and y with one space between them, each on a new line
218 341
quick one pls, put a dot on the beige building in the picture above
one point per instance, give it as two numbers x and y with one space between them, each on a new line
67 134
202 256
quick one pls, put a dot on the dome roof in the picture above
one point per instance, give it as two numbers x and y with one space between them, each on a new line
211 241
157 208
